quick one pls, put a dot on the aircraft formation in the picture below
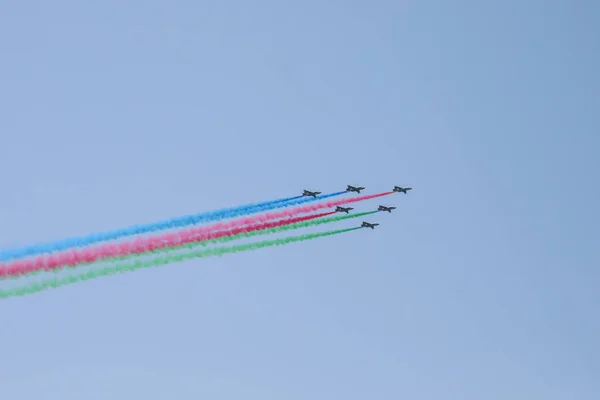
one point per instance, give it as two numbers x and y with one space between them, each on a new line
193 236
357 189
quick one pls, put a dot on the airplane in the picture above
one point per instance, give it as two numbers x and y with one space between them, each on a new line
384 208
401 189
354 189
368 225
343 209
309 193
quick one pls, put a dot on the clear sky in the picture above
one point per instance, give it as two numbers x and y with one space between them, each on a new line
482 285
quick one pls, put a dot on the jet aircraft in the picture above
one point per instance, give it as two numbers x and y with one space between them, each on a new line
368 225
401 189
343 209
309 193
384 208
354 189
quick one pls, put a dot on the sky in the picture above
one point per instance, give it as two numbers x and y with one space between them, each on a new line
483 284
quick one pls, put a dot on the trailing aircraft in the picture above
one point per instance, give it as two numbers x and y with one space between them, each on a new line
309 193
368 225
384 208
354 189
343 209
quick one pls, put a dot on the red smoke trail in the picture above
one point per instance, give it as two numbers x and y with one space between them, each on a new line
141 245
75 257
314 207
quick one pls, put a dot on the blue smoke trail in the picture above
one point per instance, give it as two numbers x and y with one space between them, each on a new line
176 222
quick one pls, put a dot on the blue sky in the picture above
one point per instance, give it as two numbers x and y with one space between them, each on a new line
483 284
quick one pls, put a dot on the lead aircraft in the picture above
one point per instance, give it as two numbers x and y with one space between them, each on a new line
401 189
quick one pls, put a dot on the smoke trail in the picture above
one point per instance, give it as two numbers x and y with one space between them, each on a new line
240 233
190 219
315 207
74 257
124 267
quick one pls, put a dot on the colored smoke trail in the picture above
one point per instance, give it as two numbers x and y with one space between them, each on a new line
315 207
79 256
74 257
229 236
190 219
139 264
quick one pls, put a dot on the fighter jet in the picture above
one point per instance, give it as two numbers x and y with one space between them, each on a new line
384 208
343 209
309 193
354 189
368 225
401 189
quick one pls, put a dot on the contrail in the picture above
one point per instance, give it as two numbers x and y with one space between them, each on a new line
138 264
73 258
190 219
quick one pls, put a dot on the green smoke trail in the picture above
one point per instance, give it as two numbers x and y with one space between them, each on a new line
223 239
158 261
